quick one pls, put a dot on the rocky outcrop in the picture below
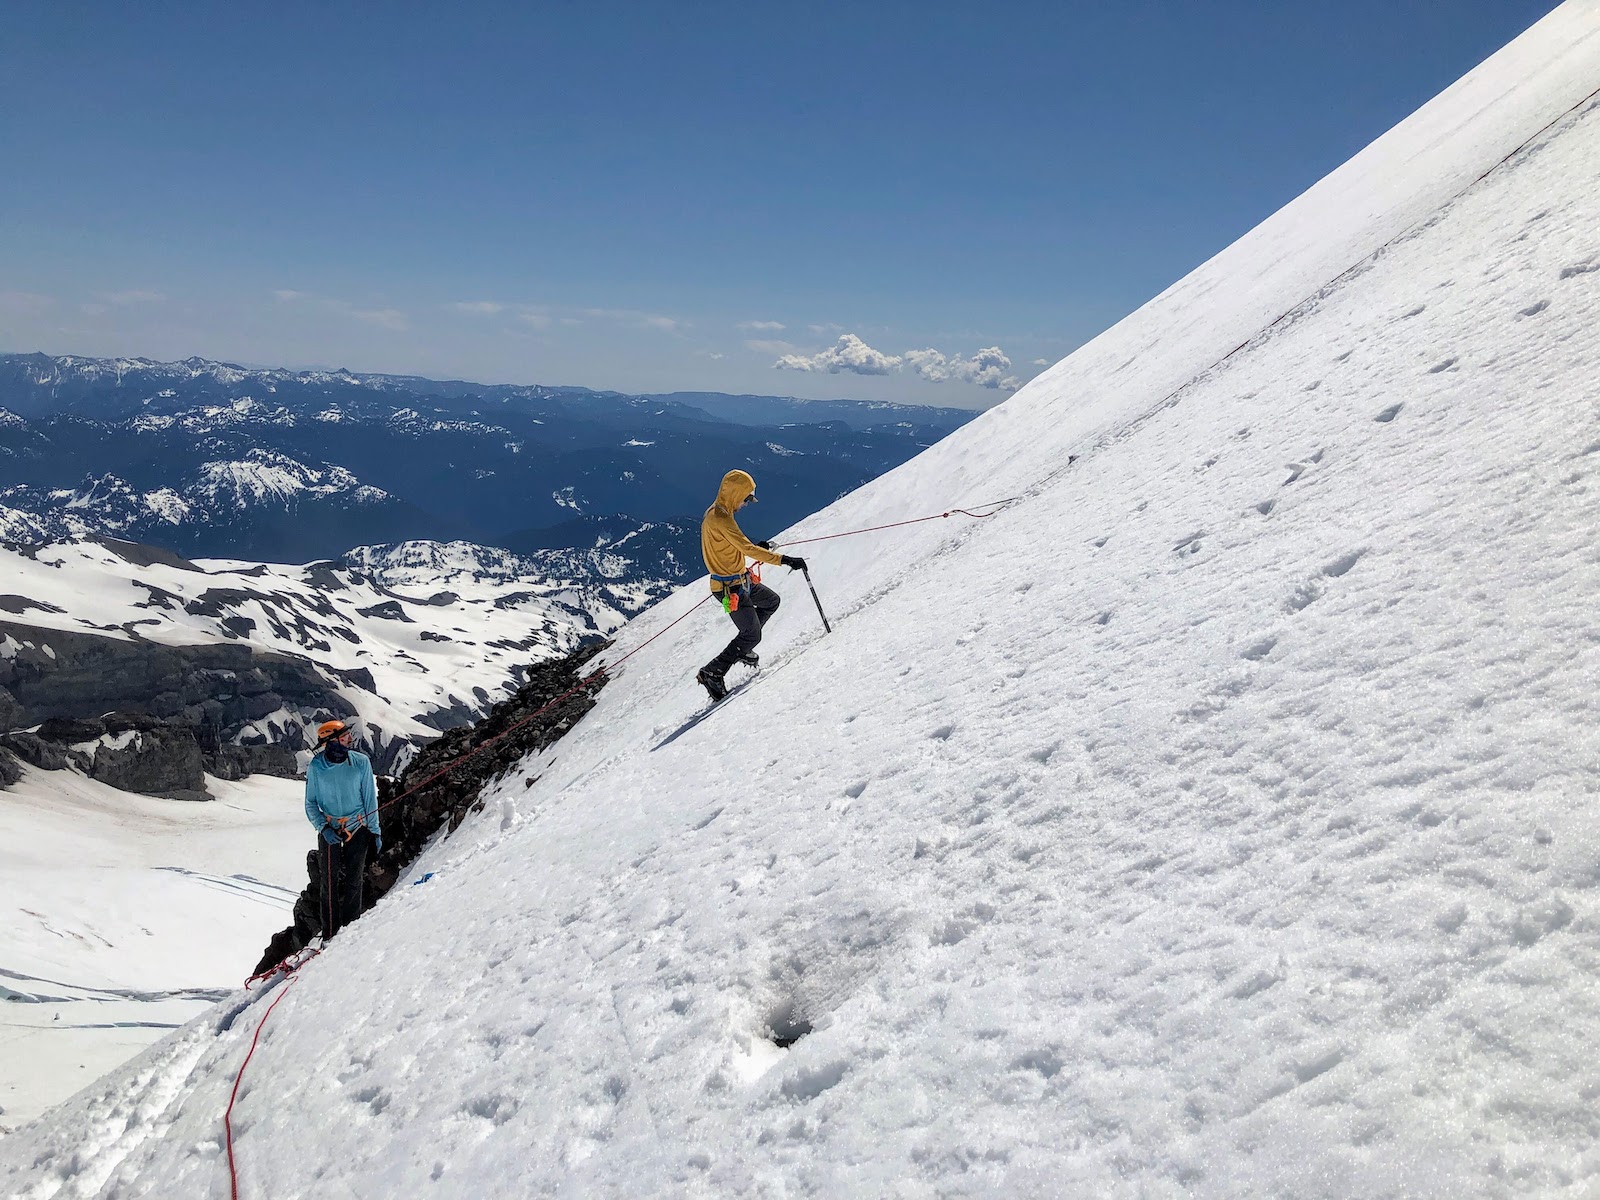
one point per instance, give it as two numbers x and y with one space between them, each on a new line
227 687
139 753
35 751
10 768
446 780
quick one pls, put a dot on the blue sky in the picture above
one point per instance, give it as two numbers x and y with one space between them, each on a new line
639 195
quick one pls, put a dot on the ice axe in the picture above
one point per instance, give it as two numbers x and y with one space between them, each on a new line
806 571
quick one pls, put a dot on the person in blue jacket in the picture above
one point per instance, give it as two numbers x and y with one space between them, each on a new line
342 806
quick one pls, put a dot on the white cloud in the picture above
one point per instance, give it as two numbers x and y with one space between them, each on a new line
533 317
987 368
479 308
633 316
384 318
770 346
24 302
1041 362
849 353
826 328
135 296
387 318
761 326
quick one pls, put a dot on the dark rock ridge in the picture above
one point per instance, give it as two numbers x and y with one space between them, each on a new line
471 759
221 687
140 753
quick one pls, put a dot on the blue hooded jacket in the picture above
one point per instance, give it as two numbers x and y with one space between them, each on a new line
344 789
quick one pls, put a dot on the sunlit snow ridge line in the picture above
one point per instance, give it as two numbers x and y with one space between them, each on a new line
1131 425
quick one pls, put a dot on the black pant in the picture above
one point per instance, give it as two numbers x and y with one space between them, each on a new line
344 869
755 609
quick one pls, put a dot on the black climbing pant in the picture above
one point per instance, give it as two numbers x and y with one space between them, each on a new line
755 609
344 868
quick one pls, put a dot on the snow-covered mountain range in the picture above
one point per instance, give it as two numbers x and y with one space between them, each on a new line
1215 820
406 639
208 458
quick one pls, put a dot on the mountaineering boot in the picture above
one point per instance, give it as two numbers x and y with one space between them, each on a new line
712 683
751 660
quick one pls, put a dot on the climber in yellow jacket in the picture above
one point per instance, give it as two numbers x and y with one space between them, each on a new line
750 605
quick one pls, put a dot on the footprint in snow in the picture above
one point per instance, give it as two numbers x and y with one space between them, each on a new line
1577 269
1444 366
1533 310
1342 564
1388 414
1304 595
1297 469
1259 650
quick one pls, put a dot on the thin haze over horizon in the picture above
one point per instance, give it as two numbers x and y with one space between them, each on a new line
909 202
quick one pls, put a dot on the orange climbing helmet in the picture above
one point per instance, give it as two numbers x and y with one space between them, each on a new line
329 730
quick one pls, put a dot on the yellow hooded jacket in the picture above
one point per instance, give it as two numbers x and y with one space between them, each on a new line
722 542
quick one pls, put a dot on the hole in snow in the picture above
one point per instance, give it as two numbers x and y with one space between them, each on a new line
785 1026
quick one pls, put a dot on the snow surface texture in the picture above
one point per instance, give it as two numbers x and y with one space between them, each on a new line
1213 821
127 916
435 654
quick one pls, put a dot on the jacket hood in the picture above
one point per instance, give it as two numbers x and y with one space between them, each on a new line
736 485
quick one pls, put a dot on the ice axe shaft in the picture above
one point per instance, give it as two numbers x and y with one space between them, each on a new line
806 571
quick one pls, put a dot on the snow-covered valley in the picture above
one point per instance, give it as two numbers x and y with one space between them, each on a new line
127 916
1217 819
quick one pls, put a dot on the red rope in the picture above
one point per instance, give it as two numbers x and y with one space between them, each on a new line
828 537
227 1117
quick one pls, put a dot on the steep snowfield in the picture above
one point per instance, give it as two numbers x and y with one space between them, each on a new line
1215 820
127 916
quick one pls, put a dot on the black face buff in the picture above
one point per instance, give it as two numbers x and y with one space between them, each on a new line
336 751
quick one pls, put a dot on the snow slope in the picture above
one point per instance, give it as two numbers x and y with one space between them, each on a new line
127 916
1213 821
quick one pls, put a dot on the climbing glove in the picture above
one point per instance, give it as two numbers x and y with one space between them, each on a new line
330 835
765 545
793 563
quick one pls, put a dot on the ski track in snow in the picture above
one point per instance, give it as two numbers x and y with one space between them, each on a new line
1214 822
